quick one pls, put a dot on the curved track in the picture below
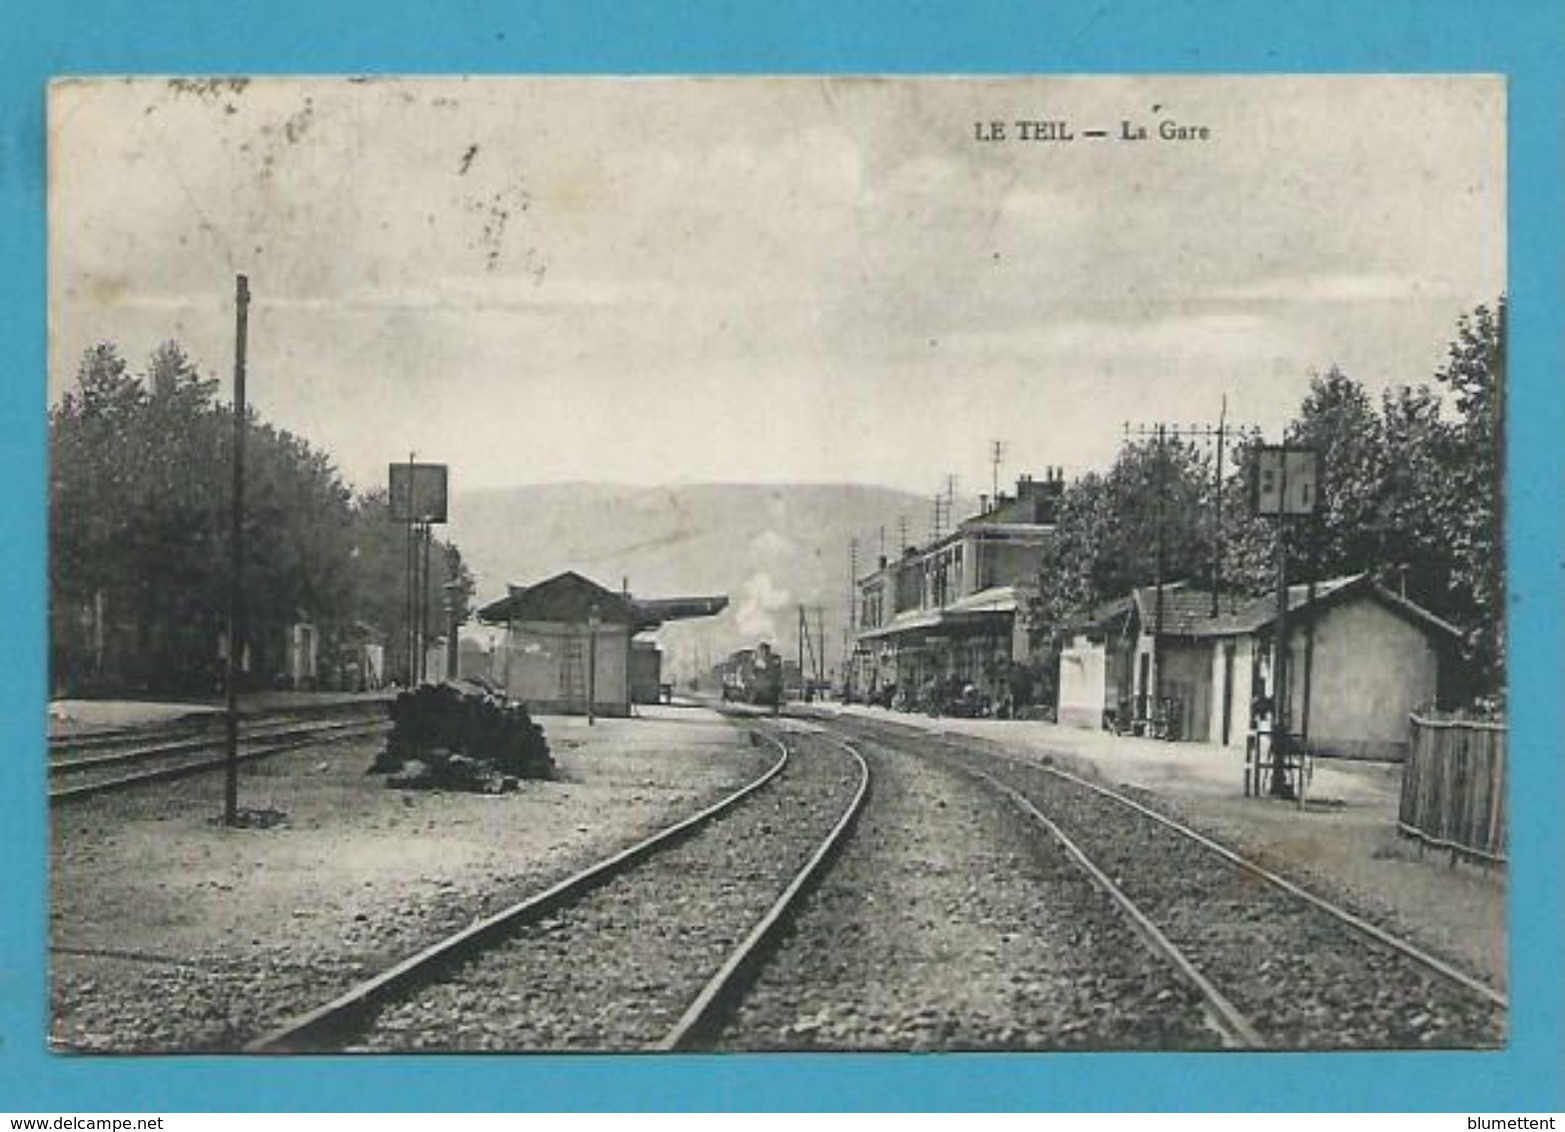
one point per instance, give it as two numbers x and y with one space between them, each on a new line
950 924
598 961
1278 965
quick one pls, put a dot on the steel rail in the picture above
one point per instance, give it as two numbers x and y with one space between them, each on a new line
208 725
1380 935
323 1028
706 1014
1235 1029
190 769
183 727
288 729
1358 923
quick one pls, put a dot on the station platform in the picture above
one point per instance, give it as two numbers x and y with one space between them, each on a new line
1183 768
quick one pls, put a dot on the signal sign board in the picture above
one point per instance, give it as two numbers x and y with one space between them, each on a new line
1285 481
418 493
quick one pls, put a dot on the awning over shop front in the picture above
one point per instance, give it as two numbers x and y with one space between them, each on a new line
979 611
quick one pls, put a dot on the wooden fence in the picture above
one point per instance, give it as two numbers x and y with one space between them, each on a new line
1453 787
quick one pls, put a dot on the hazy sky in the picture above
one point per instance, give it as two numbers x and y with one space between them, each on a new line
679 280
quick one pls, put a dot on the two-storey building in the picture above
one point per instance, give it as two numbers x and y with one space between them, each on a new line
955 608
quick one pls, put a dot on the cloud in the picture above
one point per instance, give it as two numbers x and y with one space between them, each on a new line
1341 287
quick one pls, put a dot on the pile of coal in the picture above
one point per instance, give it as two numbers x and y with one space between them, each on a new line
460 735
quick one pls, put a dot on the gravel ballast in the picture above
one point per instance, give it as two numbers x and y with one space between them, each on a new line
952 923
1343 846
1304 979
171 933
615 970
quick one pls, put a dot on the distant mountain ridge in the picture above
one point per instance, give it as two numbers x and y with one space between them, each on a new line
769 547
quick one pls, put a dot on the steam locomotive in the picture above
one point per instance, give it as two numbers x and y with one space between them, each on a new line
752 676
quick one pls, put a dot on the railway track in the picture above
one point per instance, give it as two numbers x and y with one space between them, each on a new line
949 924
96 765
1277 965
650 948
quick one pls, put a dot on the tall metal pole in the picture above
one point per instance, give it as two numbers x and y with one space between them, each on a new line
820 646
453 657
850 655
1279 785
409 563
1217 518
236 549
1157 624
1312 533
592 664
423 613
804 632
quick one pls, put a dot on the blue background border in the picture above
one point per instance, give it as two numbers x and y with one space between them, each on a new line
1521 39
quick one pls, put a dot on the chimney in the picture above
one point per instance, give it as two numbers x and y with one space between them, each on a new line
983 505
882 561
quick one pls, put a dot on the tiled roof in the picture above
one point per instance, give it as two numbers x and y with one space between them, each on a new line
564 597
1188 613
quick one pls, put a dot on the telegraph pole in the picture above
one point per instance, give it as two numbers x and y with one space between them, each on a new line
1161 434
820 645
1280 712
996 450
410 561
943 506
804 632
1158 471
423 617
1217 517
236 608
592 664
853 620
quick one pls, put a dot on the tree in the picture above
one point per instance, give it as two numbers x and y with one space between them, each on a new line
1338 421
379 574
89 501
140 502
1411 491
1152 509
1474 372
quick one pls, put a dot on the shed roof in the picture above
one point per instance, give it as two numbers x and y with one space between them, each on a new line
570 597
565 597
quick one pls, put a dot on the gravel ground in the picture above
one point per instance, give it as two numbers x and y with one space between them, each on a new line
1346 848
949 923
616 970
172 933
169 932
1304 980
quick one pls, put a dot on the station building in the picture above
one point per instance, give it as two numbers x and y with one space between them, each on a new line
955 609
1361 658
568 638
